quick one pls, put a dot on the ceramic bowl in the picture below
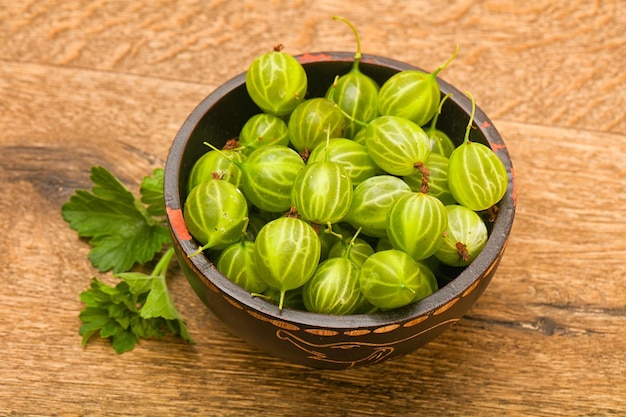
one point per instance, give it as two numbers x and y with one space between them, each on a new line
320 340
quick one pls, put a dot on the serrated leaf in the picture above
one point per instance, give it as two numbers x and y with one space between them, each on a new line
134 243
110 329
93 319
159 302
152 193
124 341
122 231
137 282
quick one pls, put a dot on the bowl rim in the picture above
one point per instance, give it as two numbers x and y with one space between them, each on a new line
454 289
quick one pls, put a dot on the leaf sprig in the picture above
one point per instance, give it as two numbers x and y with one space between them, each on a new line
124 232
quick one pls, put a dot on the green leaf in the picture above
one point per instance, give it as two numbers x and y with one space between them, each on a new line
137 282
124 341
139 306
152 193
122 231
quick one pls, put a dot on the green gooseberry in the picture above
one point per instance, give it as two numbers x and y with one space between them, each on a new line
477 177
292 298
355 93
276 82
216 214
216 165
397 145
322 192
312 122
268 175
333 288
352 156
357 250
465 237
391 279
412 94
263 129
416 223
236 262
287 252
371 202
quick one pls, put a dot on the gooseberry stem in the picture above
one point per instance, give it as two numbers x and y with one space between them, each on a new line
357 55
351 243
433 124
424 187
349 116
471 119
445 64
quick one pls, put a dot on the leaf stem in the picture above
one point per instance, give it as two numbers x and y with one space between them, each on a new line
161 267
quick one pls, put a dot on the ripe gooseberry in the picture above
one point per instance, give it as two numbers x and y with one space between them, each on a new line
465 237
276 82
391 279
268 174
477 178
263 129
355 93
216 214
397 145
312 121
237 263
333 288
216 165
416 224
412 94
287 252
371 202
352 156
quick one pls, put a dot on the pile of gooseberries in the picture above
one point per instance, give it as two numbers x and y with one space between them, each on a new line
348 203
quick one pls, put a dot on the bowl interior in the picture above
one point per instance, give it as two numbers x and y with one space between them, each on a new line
221 116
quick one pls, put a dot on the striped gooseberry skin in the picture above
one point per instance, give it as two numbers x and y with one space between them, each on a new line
371 202
216 165
276 82
416 224
396 145
430 284
357 95
237 263
322 192
215 213
391 279
287 252
477 177
314 121
410 94
333 288
263 129
359 137
440 142
360 250
437 166
351 155
465 228
268 176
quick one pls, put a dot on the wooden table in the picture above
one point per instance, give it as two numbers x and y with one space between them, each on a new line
108 83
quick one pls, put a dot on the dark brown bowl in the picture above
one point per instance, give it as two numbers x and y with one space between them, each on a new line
320 340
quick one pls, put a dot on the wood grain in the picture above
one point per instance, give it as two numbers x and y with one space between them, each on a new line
109 83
